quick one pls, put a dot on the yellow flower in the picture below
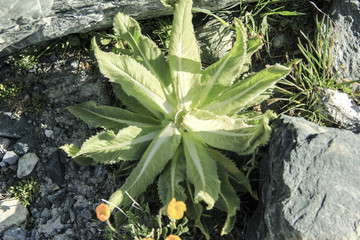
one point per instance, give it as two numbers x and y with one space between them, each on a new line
102 212
173 237
147 239
176 209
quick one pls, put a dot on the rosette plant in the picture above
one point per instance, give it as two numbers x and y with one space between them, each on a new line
179 116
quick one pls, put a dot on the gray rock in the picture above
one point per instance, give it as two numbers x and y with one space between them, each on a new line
25 144
346 50
45 214
310 184
53 226
12 213
26 164
10 158
14 233
12 126
57 198
338 107
49 133
215 40
25 22
4 144
55 169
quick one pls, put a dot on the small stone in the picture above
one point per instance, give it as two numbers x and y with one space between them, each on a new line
69 202
12 213
278 41
65 218
2 164
14 233
86 214
57 198
49 133
4 144
25 144
26 164
10 158
45 214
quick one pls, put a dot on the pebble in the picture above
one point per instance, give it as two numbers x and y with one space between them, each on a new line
14 233
26 164
45 214
86 214
49 133
57 198
278 41
4 144
10 157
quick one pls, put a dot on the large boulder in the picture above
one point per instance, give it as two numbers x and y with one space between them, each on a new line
310 184
24 22
346 50
12 213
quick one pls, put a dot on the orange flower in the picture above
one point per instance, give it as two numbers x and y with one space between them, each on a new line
147 239
102 212
176 209
173 237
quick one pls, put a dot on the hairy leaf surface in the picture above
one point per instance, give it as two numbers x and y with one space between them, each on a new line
201 171
184 56
153 161
145 51
128 144
220 76
135 80
234 172
110 118
228 133
246 91
169 182
228 201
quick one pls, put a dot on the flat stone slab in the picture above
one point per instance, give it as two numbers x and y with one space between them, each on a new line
25 22
12 213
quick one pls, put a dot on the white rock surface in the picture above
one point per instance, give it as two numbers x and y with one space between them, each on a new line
12 213
26 164
338 107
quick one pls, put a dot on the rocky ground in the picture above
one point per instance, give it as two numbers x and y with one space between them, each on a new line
36 124
64 207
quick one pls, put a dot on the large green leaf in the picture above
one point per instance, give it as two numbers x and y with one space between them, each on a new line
247 91
159 152
169 181
228 201
201 170
110 118
220 76
72 151
129 102
228 133
184 56
145 51
128 144
135 80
